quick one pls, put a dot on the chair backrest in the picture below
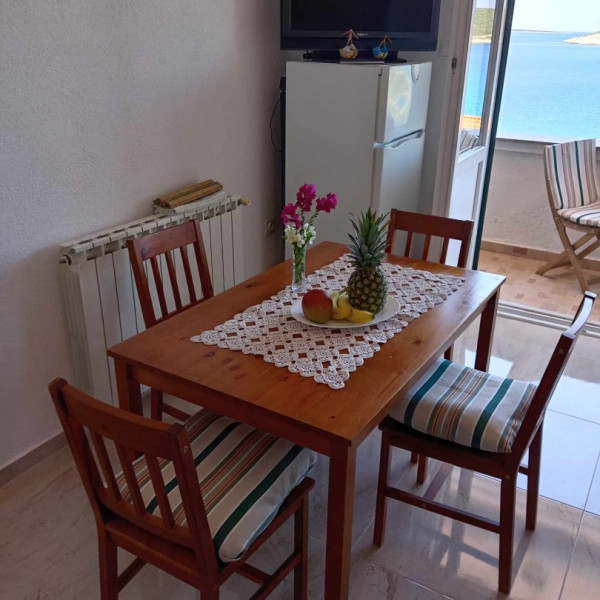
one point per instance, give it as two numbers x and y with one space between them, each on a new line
159 249
571 176
101 436
554 369
430 226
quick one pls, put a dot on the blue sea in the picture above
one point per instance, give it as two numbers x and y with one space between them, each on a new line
551 88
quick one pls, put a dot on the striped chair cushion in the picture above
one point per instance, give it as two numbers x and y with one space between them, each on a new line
571 173
245 475
466 406
586 215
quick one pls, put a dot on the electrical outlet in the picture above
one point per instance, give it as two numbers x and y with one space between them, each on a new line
270 226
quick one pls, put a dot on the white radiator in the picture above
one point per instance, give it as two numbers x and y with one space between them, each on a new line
102 307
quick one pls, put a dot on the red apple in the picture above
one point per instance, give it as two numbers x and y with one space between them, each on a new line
317 306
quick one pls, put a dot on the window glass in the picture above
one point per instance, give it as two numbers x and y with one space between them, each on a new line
477 73
552 85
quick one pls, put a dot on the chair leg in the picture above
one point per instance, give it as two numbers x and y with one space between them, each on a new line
562 232
533 479
107 555
422 469
156 398
381 502
508 495
301 545
414 458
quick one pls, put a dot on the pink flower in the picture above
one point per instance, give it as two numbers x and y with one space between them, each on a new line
305 196
328 203
289 215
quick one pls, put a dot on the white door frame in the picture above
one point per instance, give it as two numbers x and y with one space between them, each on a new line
448 158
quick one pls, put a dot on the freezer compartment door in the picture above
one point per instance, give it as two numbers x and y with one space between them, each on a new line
403 100
330 122
397 175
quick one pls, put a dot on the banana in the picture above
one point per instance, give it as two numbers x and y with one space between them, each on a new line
341 305
360 316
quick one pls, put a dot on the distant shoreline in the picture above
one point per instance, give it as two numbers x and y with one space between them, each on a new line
592 39
587 39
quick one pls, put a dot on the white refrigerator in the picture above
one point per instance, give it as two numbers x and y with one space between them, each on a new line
357 130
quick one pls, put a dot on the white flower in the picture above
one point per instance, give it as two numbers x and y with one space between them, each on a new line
299 237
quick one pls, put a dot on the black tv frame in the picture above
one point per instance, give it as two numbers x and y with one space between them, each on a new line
327 44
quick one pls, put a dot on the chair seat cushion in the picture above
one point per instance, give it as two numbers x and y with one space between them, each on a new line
582 215
465 406
245 475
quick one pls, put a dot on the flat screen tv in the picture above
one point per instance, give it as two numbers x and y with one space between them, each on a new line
319 24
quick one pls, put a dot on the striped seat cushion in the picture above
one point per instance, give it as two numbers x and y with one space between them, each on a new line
466 406
582 215
245 475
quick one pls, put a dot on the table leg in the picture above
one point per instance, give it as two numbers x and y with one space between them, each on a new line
340 505
486 333
128 391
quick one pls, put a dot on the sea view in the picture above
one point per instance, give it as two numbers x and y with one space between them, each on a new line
552 88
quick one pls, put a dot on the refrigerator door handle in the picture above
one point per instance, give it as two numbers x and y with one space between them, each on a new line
399 141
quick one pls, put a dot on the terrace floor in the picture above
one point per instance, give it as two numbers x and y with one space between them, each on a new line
556 292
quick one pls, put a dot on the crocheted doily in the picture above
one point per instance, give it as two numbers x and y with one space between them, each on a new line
328 355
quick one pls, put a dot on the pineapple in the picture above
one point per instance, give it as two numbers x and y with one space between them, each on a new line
367 286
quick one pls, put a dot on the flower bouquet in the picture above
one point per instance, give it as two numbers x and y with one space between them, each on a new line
299 230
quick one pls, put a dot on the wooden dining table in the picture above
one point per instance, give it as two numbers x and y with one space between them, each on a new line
330 421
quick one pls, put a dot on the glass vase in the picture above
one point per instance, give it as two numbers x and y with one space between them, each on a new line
299 267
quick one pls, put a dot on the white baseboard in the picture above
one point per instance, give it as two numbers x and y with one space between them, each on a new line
30 457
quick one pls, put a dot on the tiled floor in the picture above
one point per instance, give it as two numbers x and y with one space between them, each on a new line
558 291
48 541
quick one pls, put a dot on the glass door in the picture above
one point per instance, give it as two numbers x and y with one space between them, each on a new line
487 24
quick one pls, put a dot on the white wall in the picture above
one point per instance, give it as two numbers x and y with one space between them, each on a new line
106 105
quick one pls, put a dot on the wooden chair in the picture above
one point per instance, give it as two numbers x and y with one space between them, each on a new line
197 503
479 422
574 195
159 248
430 226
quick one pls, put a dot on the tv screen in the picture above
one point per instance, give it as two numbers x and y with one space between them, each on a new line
318 24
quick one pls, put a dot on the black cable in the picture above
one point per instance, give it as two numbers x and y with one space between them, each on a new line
278 150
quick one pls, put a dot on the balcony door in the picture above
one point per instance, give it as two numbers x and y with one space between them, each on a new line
481 30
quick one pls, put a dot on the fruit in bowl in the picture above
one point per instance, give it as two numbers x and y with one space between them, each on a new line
341 305
317 306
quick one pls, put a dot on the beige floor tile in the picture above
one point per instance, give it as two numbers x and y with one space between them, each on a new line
570 451
366 489
583 580
368 581
557 292
461 561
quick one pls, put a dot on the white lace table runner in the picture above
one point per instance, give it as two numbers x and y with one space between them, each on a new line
328 355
